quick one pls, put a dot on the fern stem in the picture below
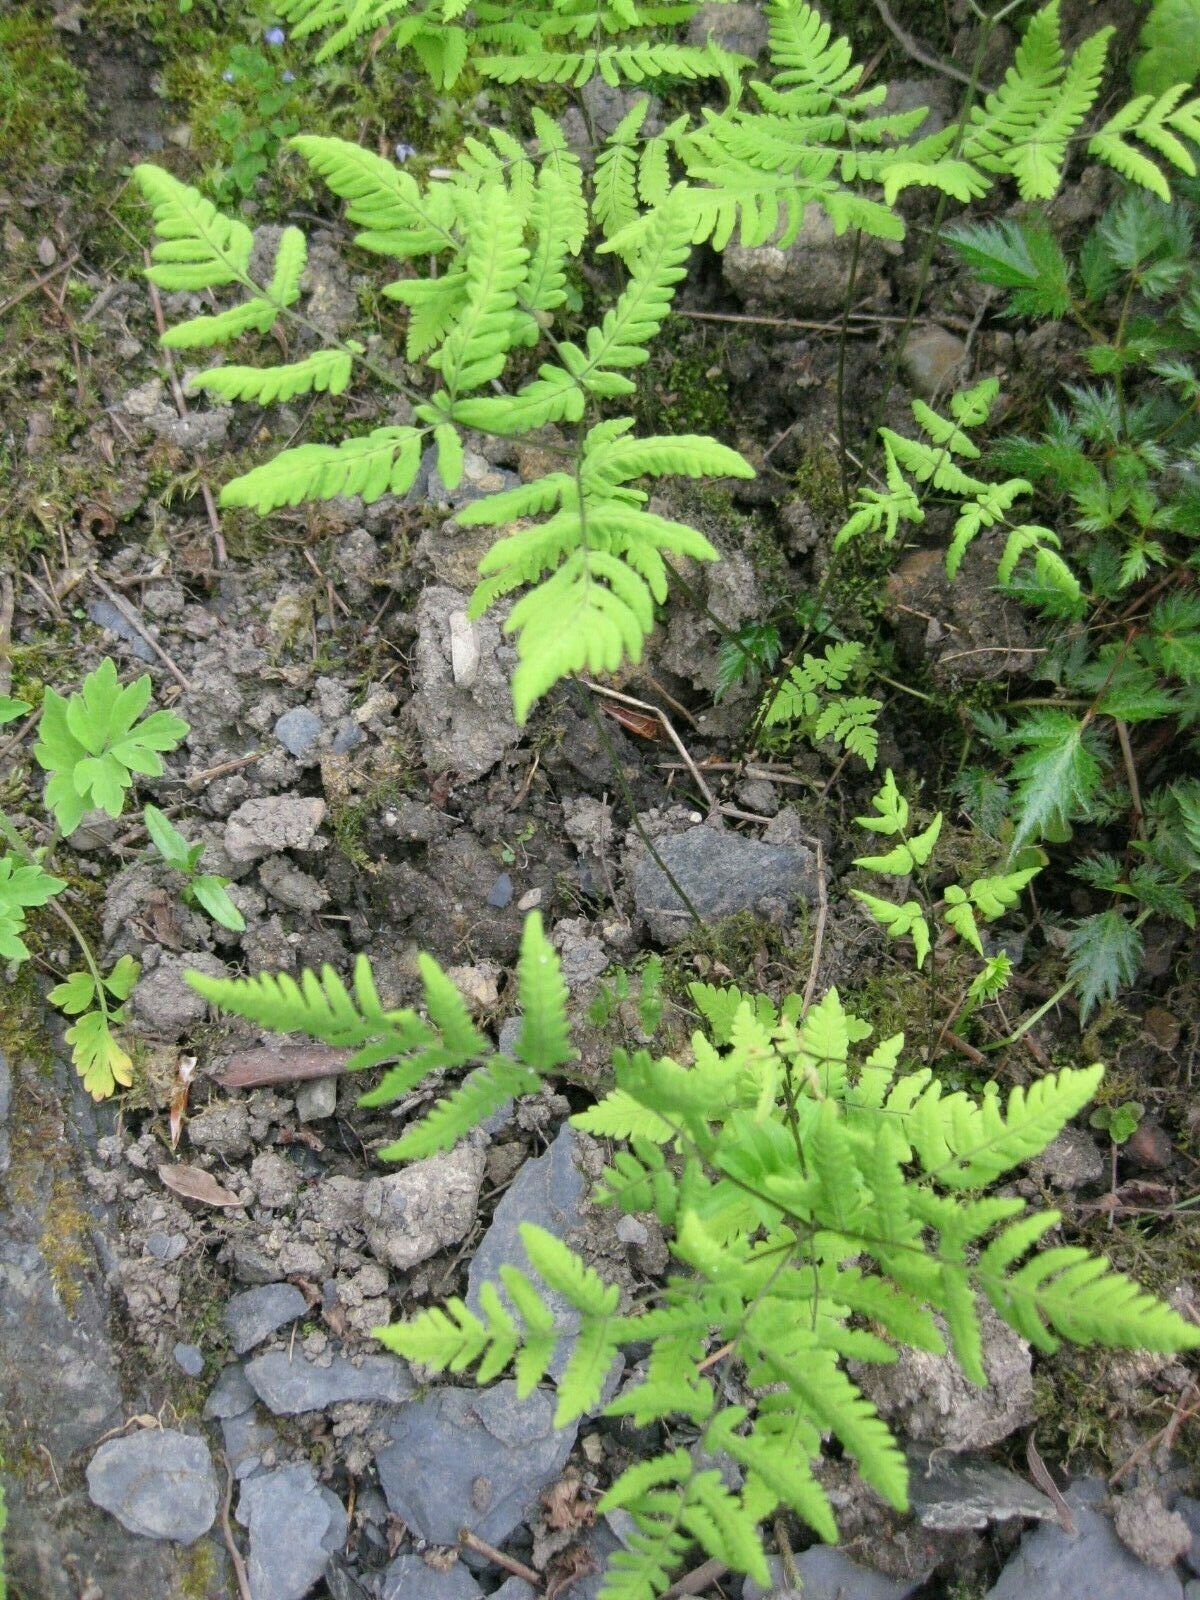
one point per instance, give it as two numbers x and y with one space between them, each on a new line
843 333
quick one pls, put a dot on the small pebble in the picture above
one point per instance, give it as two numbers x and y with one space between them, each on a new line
502 892
189 1358
298 730
530 900
165 1246
317 1099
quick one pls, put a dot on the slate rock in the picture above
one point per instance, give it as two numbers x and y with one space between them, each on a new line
501 892
298 730
475 1458
827 1574
288 1387
247 1440
547 1191
1189 1510
231 1395
410 1215
347 736
295 1526
1052 1565
253 1315
106 615
316 1099
165 1246
410 1578
158 1483
721 873
189 1358
952 1493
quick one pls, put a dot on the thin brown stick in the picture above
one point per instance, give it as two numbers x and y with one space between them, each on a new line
7 602
197 780
1041 1476
1131 777
471 1541
697 1581
134 621
235 1555
814 965
668 729
918 51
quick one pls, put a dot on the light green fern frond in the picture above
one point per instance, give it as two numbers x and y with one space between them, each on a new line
381 462
198 247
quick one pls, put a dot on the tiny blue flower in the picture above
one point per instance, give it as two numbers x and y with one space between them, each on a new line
403 150
228 75
289 76
274 35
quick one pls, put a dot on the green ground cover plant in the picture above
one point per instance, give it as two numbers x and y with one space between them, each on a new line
92 745
822 1203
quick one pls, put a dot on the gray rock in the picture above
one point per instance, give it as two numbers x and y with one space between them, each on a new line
721 873
347 736
412 1214
298 730
251 1316
1071 1161
222 1129
501 892
295 1526
289 1387
516 1589
1148 1530
474 1458
158 1483
164 1003
410 1578
1052 1565
1189 1510
285 883
952 1493
740 28
465 727
316 1099
189 1358
165 1246
231 1395
810 276
547 1191
248 1439
106 615
273 823
826 1574
928 1398
934 360
1191 1589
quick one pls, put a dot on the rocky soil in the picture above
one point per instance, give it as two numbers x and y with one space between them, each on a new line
193 1404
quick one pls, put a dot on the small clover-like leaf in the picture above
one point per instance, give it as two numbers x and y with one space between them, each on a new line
22 885
98 1058
92 744
75 994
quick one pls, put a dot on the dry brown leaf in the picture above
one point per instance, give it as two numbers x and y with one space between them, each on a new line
193 1183
185 1071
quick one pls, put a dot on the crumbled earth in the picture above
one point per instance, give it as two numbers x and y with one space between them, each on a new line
354 769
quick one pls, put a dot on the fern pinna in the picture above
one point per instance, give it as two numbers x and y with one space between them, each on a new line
502 231
822 1204
545 41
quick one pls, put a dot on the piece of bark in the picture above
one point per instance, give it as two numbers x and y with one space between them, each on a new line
254 1069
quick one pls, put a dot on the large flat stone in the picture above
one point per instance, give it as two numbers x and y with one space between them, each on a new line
288 1386
721 874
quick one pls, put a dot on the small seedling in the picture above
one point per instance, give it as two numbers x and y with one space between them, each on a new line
203 889
93 746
